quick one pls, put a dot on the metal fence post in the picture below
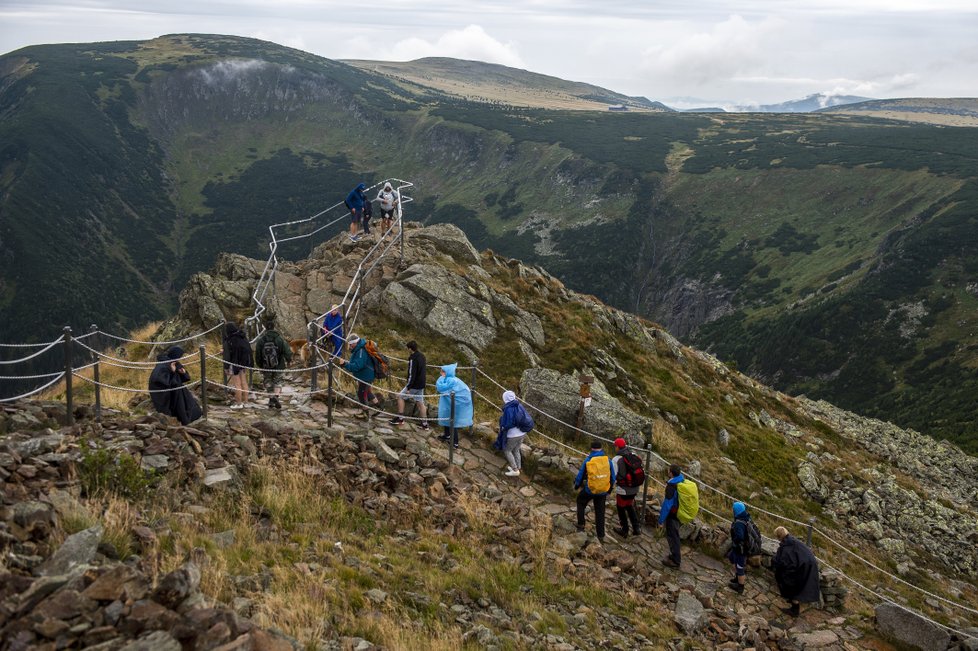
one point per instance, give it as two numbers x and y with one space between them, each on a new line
645 485
314 379
451 431
203 381
329 391
811 523
69 407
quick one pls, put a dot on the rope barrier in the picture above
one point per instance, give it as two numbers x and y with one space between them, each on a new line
40 376
37 390
266 370
41 345
105 385
134 364
33 355
156 343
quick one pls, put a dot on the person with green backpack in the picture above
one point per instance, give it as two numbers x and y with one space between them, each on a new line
594 479
272 353
680 505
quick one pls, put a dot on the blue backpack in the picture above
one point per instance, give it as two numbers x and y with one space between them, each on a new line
524 420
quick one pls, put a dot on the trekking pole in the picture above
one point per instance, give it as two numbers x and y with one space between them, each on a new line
451 432
645 485
96 376
203 381
69 408
329 391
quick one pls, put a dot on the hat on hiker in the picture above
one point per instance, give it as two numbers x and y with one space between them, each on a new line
174 353
508 396
353 340
620 443
738 508
595 445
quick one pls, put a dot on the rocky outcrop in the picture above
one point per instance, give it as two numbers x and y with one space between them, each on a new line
907 628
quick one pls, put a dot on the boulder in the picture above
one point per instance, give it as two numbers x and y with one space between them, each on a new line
910 629
77 549
810 481
450 240
689 614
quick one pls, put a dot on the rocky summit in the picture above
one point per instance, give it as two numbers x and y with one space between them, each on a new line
318 526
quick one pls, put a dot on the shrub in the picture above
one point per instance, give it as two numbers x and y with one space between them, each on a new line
103 471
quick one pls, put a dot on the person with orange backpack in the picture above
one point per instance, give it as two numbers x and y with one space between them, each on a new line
361 366
594 479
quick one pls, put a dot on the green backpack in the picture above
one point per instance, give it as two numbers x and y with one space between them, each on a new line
689 501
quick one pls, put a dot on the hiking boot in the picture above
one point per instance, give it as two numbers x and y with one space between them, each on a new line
736 587
397 420
444 438
512 472
793 611
638 532
668 562
621 531
425 426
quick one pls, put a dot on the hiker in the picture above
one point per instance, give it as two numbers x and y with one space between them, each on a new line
629 476
669 516
388 205
354 203
739 546
332 330
362 367
796 571
169 395
368 212
514 423
237 359
272 353
445 384
414 389
594 479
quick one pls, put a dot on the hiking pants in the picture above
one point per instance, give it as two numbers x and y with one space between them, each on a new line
512 452
672 535
599 501
626 512
363 393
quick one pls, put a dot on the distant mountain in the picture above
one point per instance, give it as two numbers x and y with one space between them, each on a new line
955 112
497 84
705 109
808 104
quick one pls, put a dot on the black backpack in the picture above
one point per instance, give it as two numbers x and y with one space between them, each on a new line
752 544
634 474
269 354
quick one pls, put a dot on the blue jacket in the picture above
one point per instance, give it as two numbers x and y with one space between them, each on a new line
356 198
510 418
463 399
333 328
582 473
360 363
670 504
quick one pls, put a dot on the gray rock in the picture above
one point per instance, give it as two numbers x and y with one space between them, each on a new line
384 452
450 240
910 629
811 483
155 641
154 462
224 539
77 549
217 476
376 595
690 615
723 438
245 443
34 517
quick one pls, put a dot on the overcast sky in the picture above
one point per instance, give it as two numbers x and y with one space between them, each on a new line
682 52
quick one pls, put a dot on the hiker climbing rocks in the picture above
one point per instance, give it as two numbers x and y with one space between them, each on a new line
629 477
744 542
669 515
332 330
368 213
514 423
414 388
237 358
445 384
272 353
166 381
354 203
361 366
594 479
388 206
796 571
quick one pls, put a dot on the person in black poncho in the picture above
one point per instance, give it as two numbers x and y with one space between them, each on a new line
796 571
170 374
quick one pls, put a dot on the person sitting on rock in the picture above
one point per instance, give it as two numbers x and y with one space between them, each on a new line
332 330
272 354
414 388
669 516
513 425
166 388
796 572
624 495
361 365
445 385
738 547
594 480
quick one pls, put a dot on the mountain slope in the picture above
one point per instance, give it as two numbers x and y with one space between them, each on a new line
952 112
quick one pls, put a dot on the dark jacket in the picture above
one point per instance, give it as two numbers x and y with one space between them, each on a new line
356 198
361 364
169 397
237 351
581 479
284 352
417 371
368 210
670 501
796 571
738 533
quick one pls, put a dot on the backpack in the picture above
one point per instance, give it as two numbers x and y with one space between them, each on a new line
634 475
524 420
689 501
269 354
382 367
752 543
598 475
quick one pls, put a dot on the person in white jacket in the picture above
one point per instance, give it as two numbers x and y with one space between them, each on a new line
388 206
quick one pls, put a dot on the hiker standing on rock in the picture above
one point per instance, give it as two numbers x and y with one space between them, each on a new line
368 213
514 423
742 545
362 367
169 395
629 476
594 479
796 571
332 330
669 516
237 358
414 389
445 384
388 206
354 203
272 353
